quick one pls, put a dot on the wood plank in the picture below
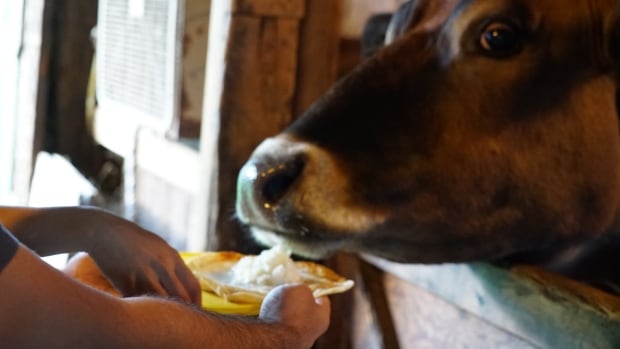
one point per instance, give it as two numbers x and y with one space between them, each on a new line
207 203
270 8
279 61
67 132
318 51
240 124
376 293
195 42
363 325
254 103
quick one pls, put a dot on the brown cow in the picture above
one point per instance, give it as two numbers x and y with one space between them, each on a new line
485 129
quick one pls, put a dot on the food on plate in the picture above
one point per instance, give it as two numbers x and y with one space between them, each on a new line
247 279
233 283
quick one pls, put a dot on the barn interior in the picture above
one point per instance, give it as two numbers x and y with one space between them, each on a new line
149 108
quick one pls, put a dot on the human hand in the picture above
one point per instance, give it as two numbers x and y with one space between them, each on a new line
294 307
137 261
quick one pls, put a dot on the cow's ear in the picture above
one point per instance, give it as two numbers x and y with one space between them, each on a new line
411 16
373 35
614 49
419 16
612 34
612 31
404 18
382 29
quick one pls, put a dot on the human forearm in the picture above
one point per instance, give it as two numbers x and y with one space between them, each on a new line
160 324
41 308
54 230
135 260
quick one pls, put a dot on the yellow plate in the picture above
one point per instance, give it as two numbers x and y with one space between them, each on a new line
217 304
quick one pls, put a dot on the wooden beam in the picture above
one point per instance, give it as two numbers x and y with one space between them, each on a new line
65 63
270 8
318 51
250 85
372 278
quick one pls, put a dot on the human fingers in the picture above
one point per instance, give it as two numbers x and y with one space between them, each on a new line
324 304
320 314
189 282
164 281
153 283
177 279
126 283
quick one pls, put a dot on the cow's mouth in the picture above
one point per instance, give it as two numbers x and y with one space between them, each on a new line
303 244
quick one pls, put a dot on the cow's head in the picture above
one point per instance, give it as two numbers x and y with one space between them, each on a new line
486 127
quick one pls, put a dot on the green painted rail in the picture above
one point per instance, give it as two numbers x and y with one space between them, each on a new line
544 309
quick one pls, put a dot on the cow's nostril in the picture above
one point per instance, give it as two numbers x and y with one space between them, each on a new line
277 180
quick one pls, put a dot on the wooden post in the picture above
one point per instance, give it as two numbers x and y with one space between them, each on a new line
251 77
318 51
70 61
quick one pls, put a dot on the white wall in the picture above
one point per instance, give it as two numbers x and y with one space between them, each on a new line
11 15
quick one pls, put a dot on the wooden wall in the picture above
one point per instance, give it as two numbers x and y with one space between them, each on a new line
256 83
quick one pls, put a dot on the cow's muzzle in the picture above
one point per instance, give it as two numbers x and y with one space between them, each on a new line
265 180
294 193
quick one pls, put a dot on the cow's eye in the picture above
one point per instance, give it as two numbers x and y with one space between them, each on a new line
500 39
